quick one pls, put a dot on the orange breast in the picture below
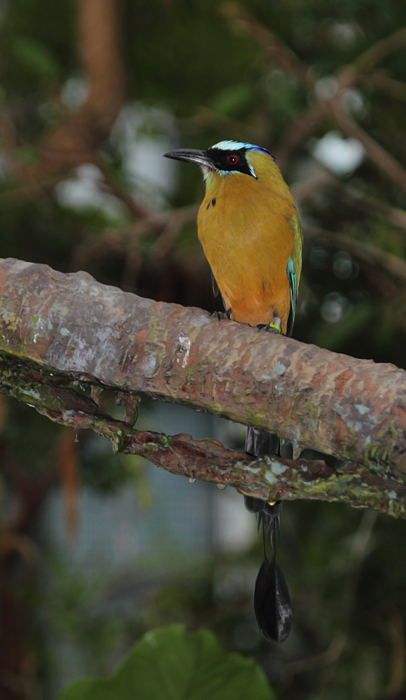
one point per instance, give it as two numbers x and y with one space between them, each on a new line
247 238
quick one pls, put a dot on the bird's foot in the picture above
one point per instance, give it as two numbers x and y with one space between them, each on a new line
221 315
274 327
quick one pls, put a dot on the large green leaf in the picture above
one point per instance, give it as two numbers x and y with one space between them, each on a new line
171 664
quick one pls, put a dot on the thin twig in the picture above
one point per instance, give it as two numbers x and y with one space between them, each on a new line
324 179
385 162
364 251
367 60
279 52
395 88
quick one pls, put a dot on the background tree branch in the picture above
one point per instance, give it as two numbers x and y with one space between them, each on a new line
65 337
76 139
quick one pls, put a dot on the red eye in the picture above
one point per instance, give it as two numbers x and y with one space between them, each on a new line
233 159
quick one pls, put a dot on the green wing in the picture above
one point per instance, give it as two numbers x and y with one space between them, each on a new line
293 270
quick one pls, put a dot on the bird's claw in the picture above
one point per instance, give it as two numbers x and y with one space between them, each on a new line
220 315
274 327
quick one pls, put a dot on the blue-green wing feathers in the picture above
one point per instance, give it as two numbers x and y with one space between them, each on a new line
292 279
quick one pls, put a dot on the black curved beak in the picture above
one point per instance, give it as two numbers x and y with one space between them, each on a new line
191 155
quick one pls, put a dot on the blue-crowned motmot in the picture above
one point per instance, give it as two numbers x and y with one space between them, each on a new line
249 226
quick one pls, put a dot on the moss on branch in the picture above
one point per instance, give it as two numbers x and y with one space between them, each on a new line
65 338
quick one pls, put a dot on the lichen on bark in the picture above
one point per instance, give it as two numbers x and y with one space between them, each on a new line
65 338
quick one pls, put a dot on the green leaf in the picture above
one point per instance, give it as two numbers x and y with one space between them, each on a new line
35 57
172 664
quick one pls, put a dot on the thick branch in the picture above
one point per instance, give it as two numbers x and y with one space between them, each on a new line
269 477
74 328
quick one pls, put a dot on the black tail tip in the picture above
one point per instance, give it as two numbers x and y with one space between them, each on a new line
272 605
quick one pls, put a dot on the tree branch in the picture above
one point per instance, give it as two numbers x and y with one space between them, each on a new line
57 329
323 106
269 477
75 141
383 160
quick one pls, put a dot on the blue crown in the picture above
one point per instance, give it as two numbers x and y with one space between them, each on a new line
231 145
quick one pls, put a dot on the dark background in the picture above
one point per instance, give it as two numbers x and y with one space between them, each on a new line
91 94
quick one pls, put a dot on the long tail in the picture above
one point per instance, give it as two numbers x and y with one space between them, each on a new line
272 604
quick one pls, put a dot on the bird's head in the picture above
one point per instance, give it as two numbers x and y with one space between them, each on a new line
227 158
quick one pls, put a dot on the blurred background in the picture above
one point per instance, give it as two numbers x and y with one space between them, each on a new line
96 549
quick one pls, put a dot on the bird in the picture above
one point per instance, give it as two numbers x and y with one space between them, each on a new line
249 227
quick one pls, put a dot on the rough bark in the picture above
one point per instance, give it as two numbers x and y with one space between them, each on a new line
57 329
